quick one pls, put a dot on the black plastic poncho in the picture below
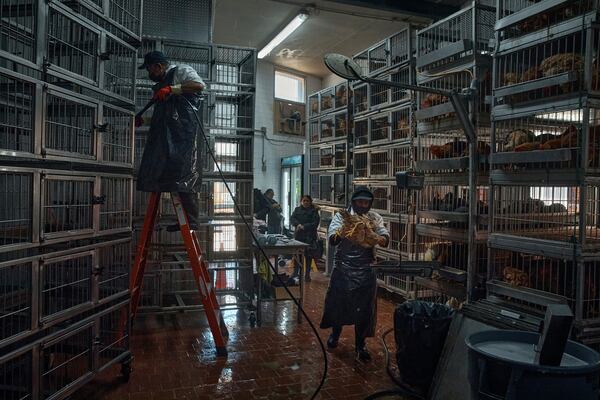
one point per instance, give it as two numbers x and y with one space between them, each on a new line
170 162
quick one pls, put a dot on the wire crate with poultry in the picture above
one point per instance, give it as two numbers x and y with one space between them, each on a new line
548 73
395 283
327 100
402 230
549 140
458 39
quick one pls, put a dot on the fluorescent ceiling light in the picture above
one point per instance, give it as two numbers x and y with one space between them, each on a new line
285 32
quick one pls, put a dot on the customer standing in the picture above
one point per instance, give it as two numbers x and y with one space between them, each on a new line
305 219
274 213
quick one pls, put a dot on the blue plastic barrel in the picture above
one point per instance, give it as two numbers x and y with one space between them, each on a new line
501 366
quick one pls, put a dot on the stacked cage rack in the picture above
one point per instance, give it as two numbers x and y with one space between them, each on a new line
227 112
384 143
329 126
452 207
545 177
66 192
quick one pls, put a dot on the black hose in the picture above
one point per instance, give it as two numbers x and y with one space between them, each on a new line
262 251
389 392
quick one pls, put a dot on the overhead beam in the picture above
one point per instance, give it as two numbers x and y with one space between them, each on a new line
421 8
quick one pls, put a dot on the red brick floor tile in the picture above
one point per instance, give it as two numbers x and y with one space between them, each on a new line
175 358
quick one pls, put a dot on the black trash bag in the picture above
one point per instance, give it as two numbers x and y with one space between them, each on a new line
170 162
420 330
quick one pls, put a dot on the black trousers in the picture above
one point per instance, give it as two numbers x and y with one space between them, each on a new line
360 333
298 266
189 201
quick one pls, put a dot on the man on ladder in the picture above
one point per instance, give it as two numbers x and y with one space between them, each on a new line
170 163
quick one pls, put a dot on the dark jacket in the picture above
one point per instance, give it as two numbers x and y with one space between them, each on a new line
170 162
309 218
274 217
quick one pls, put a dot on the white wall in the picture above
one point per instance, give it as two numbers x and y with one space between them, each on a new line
267 174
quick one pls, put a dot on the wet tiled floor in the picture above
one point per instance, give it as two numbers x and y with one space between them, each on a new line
174 358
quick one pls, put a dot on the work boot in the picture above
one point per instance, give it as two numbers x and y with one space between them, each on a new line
332 342
363 354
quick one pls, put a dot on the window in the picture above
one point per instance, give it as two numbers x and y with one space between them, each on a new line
289 87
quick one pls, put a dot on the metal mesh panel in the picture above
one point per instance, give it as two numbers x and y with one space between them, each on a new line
361 99
401 128
16 295
380 128
113 341
326 157
451 253
452 199
341 95
547 274
400 201
69 126
380 198
378 57
540 21
119 68
341 125
114 261
379 95
126 13
380 163
326 128
198 57
314 186
362 60
360 165
339 189
15 378
546 212
115 213
67 205
450 146
71 46
233 154
117 138
403 75
231 111
326 184
401 159
315 161
18 28
66 284
313 131
400 46
361 132
400 237
66 361
17 99
454 29
220 201
16 206
242 58
313 105
188 20
327 100
340 155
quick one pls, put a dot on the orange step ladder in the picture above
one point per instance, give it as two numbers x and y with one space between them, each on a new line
198 264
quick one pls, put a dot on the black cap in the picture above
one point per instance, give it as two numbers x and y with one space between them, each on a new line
362 193
153 57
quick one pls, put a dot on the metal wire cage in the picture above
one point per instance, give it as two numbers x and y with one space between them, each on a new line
361 132
16 376
119 68
314 186
341 95
379 163
326 157
517 18
117 136
327 127
456 39
198 56
379 128
326 188
16 291
556 67
453 253
17 110
361 164
361 98
379 95
341 124
548 140
339 188
229 112
113 341
72 47
16 207
19 30
315 161
313 105
234 65
402 237
529 276
65 361
115 262
233 154
327 100
313 131
340 155
381 197
401 121
70 126
116 203
558 213
401 284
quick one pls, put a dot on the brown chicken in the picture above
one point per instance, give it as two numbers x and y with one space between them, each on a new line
566 139
516 138
529 146
456 148
340 95
433 100
515 277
